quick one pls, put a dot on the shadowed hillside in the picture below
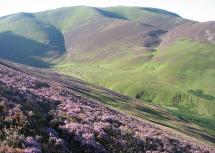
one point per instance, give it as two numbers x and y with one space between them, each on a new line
23 50
25 39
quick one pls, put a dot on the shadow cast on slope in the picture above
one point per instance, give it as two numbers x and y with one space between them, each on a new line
200 93
110 14
26 51
160 11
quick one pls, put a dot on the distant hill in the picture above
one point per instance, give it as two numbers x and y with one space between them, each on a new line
147 53
41 38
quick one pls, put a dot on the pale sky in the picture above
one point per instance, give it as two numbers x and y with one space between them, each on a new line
199 10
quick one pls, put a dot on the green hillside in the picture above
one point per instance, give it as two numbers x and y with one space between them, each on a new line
151 16
178 75
69 17
66 18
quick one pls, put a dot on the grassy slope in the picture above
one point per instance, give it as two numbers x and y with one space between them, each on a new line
148 16
179 77
175 70
66 18
69 17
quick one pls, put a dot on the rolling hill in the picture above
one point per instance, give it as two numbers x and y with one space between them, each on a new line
147 53
43 37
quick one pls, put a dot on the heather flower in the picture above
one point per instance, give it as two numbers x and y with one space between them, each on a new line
88 136
31 145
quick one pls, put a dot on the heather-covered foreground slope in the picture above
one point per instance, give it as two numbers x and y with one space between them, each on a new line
46 112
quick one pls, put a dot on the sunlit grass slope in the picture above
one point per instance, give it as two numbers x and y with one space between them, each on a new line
66 18
179 77
69 17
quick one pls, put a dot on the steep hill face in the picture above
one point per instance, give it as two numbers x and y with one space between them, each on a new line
104 36
47 112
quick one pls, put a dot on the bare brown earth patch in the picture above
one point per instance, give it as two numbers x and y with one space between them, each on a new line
102 33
